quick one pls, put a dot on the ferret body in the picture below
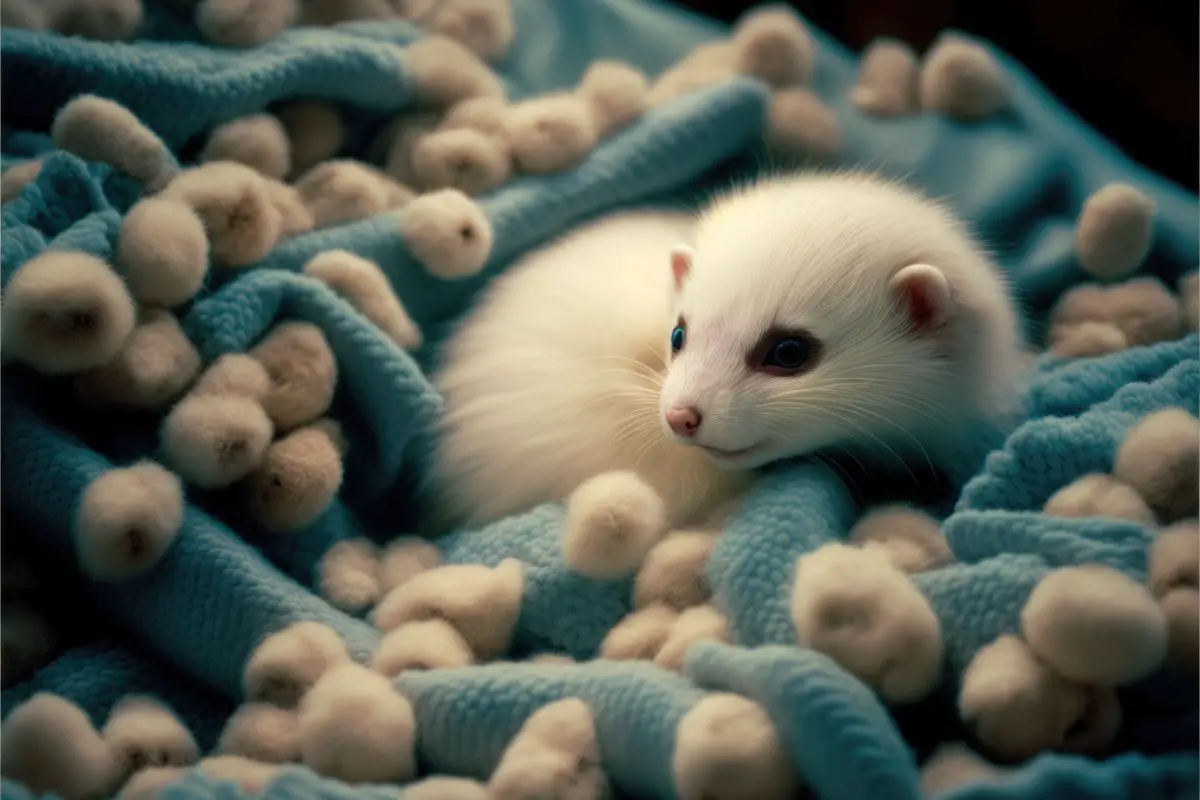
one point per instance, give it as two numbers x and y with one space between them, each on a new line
795 315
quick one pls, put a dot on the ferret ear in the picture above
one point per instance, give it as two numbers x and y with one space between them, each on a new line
681 264
924 293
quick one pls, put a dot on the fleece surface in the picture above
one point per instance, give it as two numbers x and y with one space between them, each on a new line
184 630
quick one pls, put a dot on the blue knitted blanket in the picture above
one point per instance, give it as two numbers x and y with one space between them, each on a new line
184 630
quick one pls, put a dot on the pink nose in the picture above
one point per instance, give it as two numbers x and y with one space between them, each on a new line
684 421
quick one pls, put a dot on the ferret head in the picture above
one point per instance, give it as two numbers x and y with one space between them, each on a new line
825 311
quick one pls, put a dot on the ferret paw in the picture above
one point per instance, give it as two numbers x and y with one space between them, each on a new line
353 726
14 179
858 608
482 603
142 732
726 748
446 72
162 252
343 191
960 79
303 373
213 441
348 575
448 233
48 744
554 754
153 368
693 625
484 26
551 133
287 663
404 558
1086 340
887 79
639 635
102 20
315 132
363 284
799 124
28 641
1189 298
97 129
912 539
297 480
463 159
446 787
613 520
259 141
1160 459
127 519
419 645
245 23
773 44
1100 495
1095 625
261 732
1115 231
617 92
232 200
675 571
65 311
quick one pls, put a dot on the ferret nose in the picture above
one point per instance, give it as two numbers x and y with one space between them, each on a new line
684 421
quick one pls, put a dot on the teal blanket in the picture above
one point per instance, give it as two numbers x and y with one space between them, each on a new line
184 630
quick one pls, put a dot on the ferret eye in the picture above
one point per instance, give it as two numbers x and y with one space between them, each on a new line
678 336
786 354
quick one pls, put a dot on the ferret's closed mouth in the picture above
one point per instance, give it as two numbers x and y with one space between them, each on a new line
717 452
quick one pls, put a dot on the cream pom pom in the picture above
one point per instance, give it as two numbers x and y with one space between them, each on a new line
259 141
952 765
404 558
448 233
446 787
303 373
446 72
485 26
315 131
366 288
154 367
483 114
1099 495
773 44
887 79
16 178
97 129
343 191
959 78
245 23
639 635
799 124
348 575
233 202
286 664
31 15
551 133
693 625
463 159
1115 231
675 571
911 538
143 732
423 644
618 94
249 775
1174 559
236 375
162 252
103 20
262 732
298 478
554 754
48 744
1142 308
214 440
1160 459
294 214
1086 340
394 145
613 520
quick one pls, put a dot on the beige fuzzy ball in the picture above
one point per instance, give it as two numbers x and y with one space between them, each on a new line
343 191
484 26
911 538
675 571
365 286
16 178
693 625
447 72
303 373
1174 559
1160 459
424 644
713 66
952 765
1189 299
65 311
103 20
773 44
234 375
126 521
28 640
482 603
483 114
48 744
97 129
348 575
149 783
143 732
613 520
1181 607
463 159
448 233
155 366
551 133
245 23
233 202
799 124
259 141
214 440
298 478
315 131
405 558
1095 625
1086 340
294 214
1142 308
726 748
1099 495
446 787
162 252
887 79
640 634
262 732
1115 231
961 79
617 92
30 15
288 662
554 754
251 776
395 144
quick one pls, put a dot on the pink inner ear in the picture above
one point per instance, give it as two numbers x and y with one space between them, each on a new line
923 291
681 265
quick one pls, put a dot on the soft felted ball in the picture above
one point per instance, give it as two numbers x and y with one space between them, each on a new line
17 178
799 124
294 214
104 20
404 558
245 23
143 732
554 754
1173 561
395 143
618 94
1099 495
448 233
30 15
234 375
303 373
259 141
483 114
551 133
65 311
640 634
674 572
232 200
423 644
162 251
250 776
97 129
773 44
298 478
315 131
484 26
911 538
287 663
126 520
155 366
343 190
348 575
1086 340
463 159
959 78
262 732
693 625
446 787
365 286
1142 308
1115 231
214 440
447 72
48 744
887 79
613 520
1160 459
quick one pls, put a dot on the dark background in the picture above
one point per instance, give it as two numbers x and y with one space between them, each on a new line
1128 67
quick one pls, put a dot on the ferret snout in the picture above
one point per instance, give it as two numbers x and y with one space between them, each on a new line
684 420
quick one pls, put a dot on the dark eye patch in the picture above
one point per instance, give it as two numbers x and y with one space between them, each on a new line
784 352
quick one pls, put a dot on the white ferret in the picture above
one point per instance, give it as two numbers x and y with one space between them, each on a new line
794 315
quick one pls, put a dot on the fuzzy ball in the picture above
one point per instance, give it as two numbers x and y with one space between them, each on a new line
348 575
799 124
959 78
355 727
64 312
726 748
126 521
262 732
247 774
103 20
463 159
30 15
483 114
162 252
617 92
294 214
1160 459
424 644
484 26
405 558
1174 559
446 787
1115 231
695 624
448 233
693 74
551 133
303 373
1189 299
446 72
554 754
1181 607
773 44
96 129
1095 625
48 744
16 178
259 141
245 23
1142 308
298 478
1086 340
639 635
315 131
366 288
911 538
149 783
343 191
214 440
674 572
287 663
613 520
397 142
232 200
28 641
952 765
482 603
1099 495
856 606
142 732
234 375
887 79
156 365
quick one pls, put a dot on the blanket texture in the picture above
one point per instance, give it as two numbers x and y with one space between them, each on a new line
184 630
